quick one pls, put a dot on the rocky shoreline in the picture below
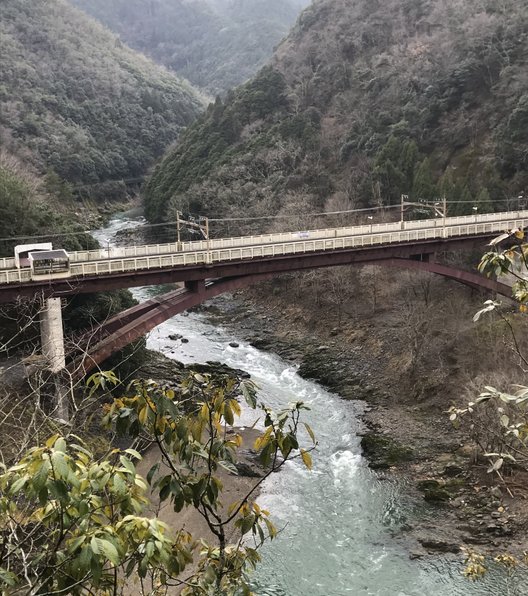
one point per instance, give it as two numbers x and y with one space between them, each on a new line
456 504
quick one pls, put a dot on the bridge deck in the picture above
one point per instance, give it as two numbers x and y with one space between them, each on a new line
120 252
315 241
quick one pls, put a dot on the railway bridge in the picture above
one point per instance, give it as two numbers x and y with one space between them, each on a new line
210 267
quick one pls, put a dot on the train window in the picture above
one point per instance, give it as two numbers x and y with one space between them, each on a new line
49 262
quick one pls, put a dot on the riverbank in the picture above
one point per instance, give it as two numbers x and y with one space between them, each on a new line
456 503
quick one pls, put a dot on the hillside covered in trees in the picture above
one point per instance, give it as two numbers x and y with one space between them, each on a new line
215 44
363 101
78 104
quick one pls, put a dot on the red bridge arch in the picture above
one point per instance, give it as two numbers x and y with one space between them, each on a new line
135 322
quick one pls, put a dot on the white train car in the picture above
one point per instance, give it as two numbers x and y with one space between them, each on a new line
22 252
49 264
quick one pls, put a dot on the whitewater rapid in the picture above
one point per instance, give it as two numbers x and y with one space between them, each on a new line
342 527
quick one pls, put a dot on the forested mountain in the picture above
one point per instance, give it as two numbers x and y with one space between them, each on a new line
74 101
215 44
363 101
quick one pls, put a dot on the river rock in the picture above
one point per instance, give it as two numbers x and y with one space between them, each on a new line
260 343
433 491
175 336
452 469
247 470
439 545
212 367
184 340
496 492
383 452
234 344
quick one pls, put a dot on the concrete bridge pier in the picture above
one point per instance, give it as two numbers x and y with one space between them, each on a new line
52 342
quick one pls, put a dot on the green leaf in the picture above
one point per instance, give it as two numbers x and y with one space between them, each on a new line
59 490
60 467
60 445
228 415
85 558
152 472
43 495
127 464
106 549
266 453
18 484
41 476
79 541
246 523
120 485
230 467
95 546
249 395
7 578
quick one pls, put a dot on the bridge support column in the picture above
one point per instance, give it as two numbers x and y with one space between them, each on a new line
52 341
196 285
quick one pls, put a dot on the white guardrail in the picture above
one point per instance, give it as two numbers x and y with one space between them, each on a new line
158 256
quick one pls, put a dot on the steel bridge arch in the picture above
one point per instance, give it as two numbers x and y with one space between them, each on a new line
135 322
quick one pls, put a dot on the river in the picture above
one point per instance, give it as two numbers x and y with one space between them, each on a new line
341 525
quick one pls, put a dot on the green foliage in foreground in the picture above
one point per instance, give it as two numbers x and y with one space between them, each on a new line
497 419
73 524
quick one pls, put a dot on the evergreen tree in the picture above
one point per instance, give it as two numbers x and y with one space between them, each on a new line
465 202
446 187
484 203
394 168
408 159
424 189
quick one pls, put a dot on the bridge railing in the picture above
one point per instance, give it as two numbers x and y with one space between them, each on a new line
298 236
329 243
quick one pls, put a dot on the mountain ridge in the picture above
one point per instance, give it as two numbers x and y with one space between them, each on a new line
214 44
76 102
420 97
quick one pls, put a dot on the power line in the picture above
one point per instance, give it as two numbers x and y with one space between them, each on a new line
244 219
228 219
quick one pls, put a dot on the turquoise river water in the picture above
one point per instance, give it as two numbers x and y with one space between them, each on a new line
340 523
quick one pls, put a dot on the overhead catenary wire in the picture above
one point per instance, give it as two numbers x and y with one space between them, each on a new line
247 219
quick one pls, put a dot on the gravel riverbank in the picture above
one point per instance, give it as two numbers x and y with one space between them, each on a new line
457 505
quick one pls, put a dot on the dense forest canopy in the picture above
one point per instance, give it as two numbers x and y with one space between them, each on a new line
77 102
363 101
215 44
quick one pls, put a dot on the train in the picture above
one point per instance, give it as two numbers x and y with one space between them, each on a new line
43 261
